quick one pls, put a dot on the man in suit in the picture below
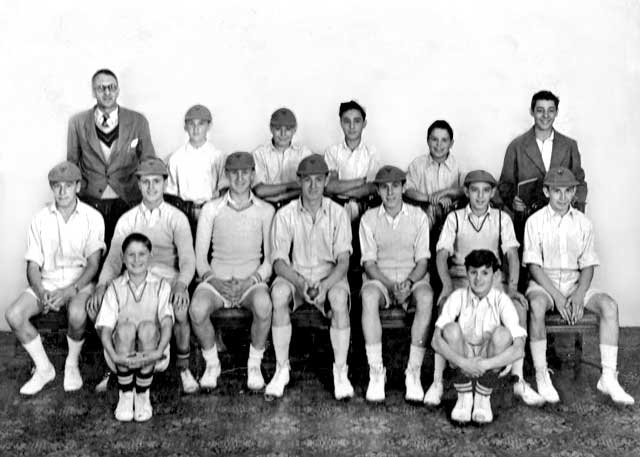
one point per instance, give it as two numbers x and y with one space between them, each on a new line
531 155
107 142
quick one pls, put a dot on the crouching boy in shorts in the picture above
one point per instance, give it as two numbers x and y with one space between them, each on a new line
559 252
135 324
478 333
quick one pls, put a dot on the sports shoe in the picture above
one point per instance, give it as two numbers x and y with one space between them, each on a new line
72 378
482 413
433 397
545 387
103 385
342 388
377 379
209 379
142 406
609 385
413 385
189 384
255 381
525 392
124 409
39 379
280 379
462 410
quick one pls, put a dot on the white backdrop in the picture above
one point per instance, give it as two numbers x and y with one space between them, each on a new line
475 64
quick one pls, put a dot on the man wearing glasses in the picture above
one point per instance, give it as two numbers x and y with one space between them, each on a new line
107 142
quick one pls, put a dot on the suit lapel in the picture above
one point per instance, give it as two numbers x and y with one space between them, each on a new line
559 151
533 152
91 135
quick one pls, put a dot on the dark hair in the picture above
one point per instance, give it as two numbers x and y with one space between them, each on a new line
103 71
352 104
440 124
544 95
481 258
136 237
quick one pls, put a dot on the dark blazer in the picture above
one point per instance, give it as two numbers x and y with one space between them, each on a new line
133 144
523 161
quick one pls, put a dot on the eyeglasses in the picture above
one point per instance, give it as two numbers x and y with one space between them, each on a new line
103 87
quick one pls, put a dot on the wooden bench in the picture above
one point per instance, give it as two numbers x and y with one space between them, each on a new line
556 325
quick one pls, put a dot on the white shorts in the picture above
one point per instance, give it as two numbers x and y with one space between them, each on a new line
565 288
204 285
385 293
48 286
297 300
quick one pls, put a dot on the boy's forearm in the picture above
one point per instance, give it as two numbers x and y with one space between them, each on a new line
166 328
419 271
514 268
585 278
34 276
416 195
339 271
373 271
341 186
509 355
442 258
440 345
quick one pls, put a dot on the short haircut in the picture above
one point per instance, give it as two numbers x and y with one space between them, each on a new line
481 258
136 237
440 124
352 104
103 71
544 95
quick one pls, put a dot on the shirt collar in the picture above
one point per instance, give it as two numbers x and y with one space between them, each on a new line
470 213
324 207
383 212
552 214
551 137
113 115
54 209
228 200
346 147
273 149
145 210
447 163
190 147
475 300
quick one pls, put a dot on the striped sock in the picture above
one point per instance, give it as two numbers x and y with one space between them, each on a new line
182 360
463 387
143 381
125 380
482 390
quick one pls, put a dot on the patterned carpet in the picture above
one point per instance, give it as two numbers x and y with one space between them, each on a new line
308 421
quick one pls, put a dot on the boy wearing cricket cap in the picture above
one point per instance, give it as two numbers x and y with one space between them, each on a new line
394 241
196 168
277 161
560 254
478 334
172 257
317 233
478 226
352 163
237 226
64 245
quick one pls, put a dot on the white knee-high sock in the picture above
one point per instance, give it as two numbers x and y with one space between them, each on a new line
340 342
439 364
416 356
210 356
374 355
609 359
255 356
281 340
36 350
74 351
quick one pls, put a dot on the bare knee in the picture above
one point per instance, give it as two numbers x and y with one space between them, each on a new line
147 332
199 309
124 336
608 308
501 337
424 299
76 313
338 299
280 296
538 307
452 333
370 297
262 307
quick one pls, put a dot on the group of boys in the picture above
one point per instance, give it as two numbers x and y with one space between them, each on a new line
241 240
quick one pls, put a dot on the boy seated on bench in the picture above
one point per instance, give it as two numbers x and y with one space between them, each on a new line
560 254
237 225
135 323
64 244
394 241
310 248
478 334
478 226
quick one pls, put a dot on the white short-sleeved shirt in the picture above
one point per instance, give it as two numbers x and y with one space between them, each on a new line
60 248
360 163
275 167
477 316
427 176
561 245
464 232
123 301
394 243
314 247
195 174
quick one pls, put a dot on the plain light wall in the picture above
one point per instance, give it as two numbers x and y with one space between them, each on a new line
475 64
